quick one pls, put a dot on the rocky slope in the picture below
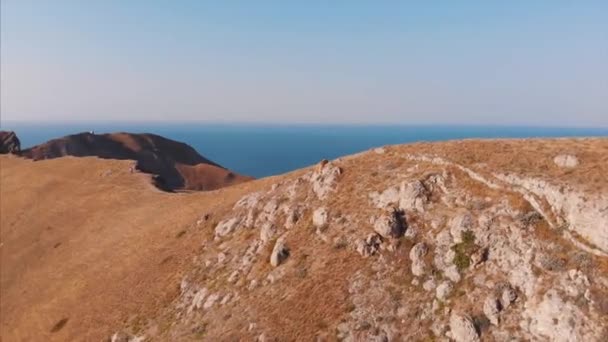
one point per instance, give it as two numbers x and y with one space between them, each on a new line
467 241
176 165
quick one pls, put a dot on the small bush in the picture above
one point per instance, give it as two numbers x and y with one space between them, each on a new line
464 250
462 261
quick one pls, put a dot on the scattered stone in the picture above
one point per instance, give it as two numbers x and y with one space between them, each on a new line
460 224
319 217
324 178
391 224
443 290
211 301
462 328
198 299
234 276
452 273
267 232
491 308
413 196
293 215
369 246
417 255
226 227
566 160
479 256
280 252
429 285
508 297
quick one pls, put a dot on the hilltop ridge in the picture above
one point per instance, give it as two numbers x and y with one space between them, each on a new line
463 240
175 165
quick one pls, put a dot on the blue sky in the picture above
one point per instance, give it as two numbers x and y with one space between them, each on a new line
447 62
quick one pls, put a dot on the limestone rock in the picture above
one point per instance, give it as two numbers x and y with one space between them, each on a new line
491 308
443 290
462 328
417 255
280 252
459 224
324 178
566 160
211 301
508 296
319 217
413 195
267 232
369 246
226 227
391 224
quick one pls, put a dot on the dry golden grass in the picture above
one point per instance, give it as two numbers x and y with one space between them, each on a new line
86 243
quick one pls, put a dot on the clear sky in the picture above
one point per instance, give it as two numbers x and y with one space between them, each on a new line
408 62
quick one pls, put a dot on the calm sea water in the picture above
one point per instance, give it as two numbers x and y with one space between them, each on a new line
264 150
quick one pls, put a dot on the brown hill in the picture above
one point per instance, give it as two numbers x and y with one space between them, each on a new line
466 240
176 166
9 143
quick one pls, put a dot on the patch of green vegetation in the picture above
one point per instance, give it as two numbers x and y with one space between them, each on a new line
464 250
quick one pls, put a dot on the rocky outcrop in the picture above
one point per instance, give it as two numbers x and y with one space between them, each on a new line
9 143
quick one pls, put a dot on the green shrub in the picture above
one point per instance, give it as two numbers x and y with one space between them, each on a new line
464 250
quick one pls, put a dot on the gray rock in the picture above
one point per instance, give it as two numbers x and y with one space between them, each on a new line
280 252
462 328
566 160
369 246
417 255
491 308
443 290
319 217
391 224
226 227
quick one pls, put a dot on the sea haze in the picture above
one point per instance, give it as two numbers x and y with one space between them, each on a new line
265 150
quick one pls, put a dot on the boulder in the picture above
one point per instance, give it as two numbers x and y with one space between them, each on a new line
462 328
280 252
443 290
391 224
566 160
267 232
369 246
459 224
508 296
413 196
226 227
417 255
324 178
319 217
491 308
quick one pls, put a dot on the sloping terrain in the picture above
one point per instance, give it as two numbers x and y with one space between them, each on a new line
176 165
465 240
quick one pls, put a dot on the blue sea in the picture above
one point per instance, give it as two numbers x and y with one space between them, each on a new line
265 150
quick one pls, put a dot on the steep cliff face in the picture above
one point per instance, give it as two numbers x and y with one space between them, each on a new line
465 241
176 166
9 143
